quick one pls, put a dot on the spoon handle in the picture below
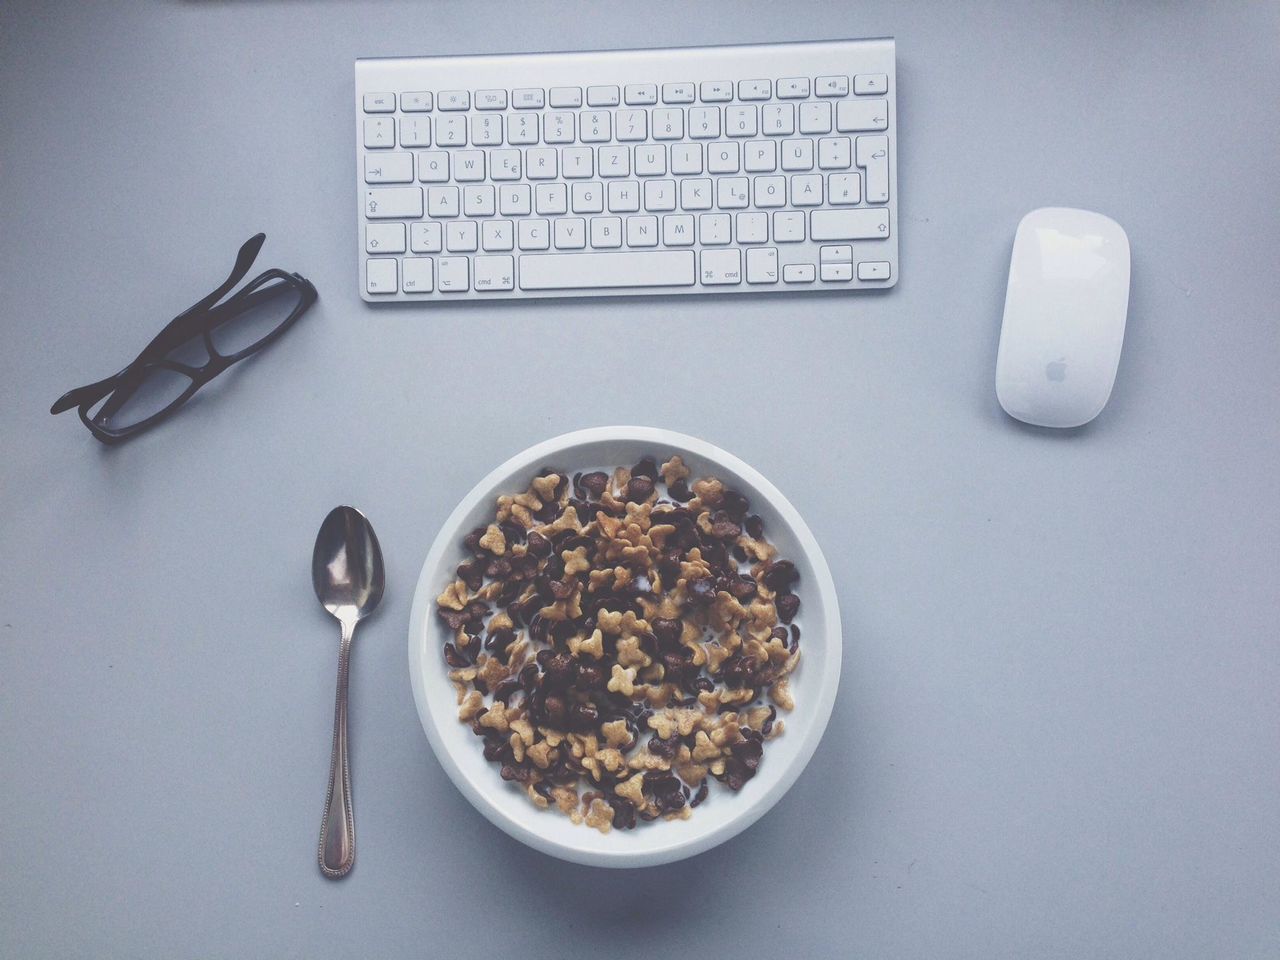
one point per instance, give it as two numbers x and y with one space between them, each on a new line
338 830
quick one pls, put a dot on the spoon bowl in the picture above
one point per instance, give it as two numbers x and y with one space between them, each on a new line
346 566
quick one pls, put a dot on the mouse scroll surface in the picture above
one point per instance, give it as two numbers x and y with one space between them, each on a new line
1064 317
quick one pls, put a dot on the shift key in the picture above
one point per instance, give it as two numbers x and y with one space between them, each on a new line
393 203
864 224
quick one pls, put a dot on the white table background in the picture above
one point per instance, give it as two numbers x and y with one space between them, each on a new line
1057 728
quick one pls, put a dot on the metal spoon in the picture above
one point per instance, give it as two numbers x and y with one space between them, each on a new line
346 570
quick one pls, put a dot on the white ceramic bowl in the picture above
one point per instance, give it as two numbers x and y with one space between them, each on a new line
725 813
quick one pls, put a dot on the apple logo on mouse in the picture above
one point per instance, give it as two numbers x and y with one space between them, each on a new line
1056 370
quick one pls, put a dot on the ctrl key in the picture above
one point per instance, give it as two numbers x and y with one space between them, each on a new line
380 275
418 275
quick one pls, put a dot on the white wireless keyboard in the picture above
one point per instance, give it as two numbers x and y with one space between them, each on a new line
693 170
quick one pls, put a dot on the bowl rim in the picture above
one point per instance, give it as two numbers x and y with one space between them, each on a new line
821 698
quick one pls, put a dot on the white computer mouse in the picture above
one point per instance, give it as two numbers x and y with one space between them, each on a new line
1064 317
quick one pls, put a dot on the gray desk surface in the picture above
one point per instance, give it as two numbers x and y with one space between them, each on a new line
1057 728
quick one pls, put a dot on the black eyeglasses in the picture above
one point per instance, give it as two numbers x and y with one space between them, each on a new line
192 349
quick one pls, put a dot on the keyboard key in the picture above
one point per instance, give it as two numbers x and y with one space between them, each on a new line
380 275
384 237
479 201
497 234
873 156
570 234
433 166
468 166
723 157
740 121
442 202
870 83
686 158
606 232
713 229
454 100
752 227
486 129
527 98
720 267
594 127
388 168
844 188
754 89
797 154
426 237
732 192
658 268
832 86
540 163
613 161
587 197
836 253
550 198
771 192
806 190
659 195
419 274
760 156
651 161
379 132
534 234
417 102
515 200
677 93
873 270
451 131
677 230
558 127
858 115
624 196
704 122
379 103
837 272
565 97
522 128
393 203
762 265
815 117
494 273
632 125
577 163
504 164
461 236
788 226
453 274
415 131
716 91
668 124
695 194
778 119
798 273
602 96
491 99
835 153
642 231
862 224
641 94
793 88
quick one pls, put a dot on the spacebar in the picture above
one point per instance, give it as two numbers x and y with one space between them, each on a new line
586 271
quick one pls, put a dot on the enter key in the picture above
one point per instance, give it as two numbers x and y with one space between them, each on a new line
873 156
